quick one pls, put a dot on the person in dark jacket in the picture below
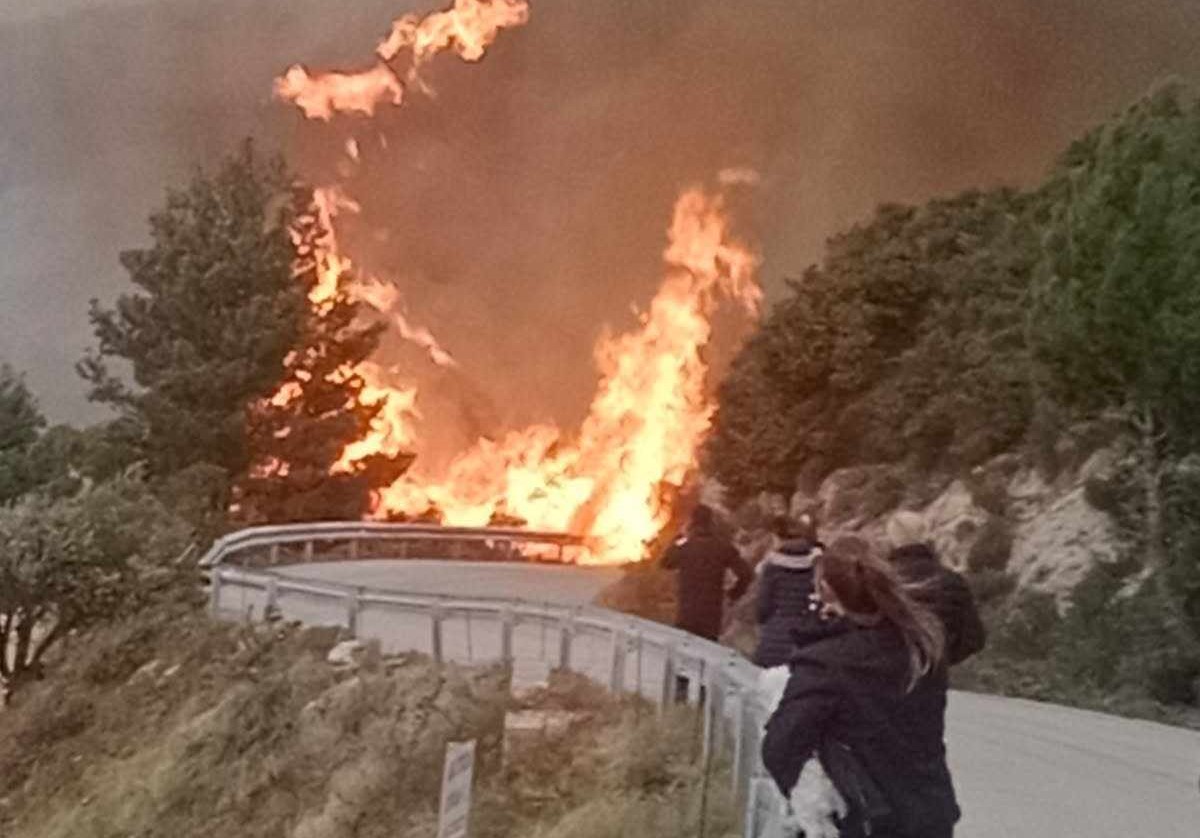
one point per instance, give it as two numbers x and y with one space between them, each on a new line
786 608
703 560
870 703
936 586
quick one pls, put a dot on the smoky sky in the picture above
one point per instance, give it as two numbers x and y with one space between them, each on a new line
524 206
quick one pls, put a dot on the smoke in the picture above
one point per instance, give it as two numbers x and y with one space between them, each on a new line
524 205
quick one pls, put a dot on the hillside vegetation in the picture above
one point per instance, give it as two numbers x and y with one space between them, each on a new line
955 354
168 724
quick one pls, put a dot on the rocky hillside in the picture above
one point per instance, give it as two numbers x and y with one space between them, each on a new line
1020 368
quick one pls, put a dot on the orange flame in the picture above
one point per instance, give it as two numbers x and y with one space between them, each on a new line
646 421
322 95
468 27
612 481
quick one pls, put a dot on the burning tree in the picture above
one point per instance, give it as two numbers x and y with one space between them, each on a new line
238 375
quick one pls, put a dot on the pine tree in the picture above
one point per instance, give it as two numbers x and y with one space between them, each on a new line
21 422
220 321
300 434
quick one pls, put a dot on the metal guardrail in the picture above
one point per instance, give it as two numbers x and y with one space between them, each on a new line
626 654
246 545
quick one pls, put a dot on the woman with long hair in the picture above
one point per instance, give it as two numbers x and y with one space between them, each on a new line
870 703
785 610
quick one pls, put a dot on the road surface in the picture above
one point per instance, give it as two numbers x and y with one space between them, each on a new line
1022 769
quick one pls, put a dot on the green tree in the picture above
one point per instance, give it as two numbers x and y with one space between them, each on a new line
298 436
21 423
1116 323
907 342
220 321
215 312
69 563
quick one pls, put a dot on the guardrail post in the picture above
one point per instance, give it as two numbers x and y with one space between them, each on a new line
352 607
274 557
308 551
616 675
435 619
566 637
354 548
403 548
747 743
214 590
508 622
714 709
739 696
667 695
272 602
750 815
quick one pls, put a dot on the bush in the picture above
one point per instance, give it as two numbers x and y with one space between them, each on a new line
990 585
1028 627
993 546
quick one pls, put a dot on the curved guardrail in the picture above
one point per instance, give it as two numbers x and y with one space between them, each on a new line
626 654
247 545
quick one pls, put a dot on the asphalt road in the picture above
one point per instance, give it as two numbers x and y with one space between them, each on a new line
1022 769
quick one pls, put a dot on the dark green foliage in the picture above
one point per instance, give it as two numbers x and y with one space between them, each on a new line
1182 489
1116 324
1118 308
988 586
907 343
216 310
21 423
70 562
296 440
992 547
1026 628
220 322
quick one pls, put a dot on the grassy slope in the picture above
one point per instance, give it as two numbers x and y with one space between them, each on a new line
171 725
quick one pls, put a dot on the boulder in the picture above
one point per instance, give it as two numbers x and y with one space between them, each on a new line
851 497
1058 543
347 653
955 523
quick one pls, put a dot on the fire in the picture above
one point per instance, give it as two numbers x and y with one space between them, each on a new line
612 481
322 95
468 27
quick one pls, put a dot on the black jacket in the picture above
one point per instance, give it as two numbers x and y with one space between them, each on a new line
946 594
702 560
786 612
850 691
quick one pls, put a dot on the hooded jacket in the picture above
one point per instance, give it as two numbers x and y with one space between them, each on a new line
946 594
848 694
703 559
786 610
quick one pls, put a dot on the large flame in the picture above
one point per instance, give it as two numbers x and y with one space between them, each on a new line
612 481
468 27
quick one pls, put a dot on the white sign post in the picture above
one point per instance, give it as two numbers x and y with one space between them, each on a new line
456 790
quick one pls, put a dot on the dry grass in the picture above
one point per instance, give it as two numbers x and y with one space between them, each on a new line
173 726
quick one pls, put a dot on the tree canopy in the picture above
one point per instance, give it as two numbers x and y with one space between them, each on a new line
67 563
220 322
1117 322
907 341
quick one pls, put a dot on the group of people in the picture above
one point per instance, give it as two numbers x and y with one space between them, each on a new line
868 640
